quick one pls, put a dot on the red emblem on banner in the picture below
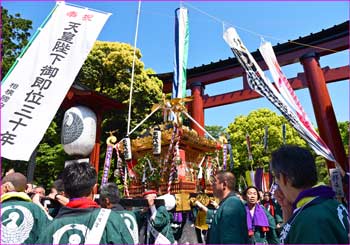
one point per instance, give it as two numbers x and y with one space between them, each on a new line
72 14
87 17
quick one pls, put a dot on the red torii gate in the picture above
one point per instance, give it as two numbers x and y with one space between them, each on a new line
314 77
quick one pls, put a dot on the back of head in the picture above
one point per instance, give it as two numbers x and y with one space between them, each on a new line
110 191
228 177
297 164
58 185
18 180
79 179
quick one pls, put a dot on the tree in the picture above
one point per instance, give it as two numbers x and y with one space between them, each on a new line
254 124
50 156
107 70
215 131
15 34
344 128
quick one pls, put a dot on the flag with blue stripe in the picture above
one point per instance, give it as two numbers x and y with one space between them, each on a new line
181 53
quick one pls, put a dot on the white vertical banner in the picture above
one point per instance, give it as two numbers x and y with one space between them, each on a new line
32 93
288 93
259 82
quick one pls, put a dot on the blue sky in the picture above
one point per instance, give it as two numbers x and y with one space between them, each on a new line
275 21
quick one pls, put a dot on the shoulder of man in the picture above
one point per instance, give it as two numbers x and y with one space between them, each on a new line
22 221
37 212
307 229
321 207
234 202
75 224
124 222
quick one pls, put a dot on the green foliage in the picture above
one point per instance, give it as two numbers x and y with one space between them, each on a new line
322 170
15 34
107 69
152 176
50 156
254 124
215 130
344 128
49 164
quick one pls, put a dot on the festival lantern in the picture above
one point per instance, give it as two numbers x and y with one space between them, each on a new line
157 141
78 131
127 149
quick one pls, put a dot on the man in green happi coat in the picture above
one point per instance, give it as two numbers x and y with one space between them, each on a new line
22 221
228 224
155 222
310 212
82 221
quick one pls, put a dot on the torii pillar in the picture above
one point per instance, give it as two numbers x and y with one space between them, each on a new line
197 108
324 113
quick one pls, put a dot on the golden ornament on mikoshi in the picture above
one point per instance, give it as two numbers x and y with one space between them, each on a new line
176 105
111 140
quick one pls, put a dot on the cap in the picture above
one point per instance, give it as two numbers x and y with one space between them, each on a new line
149 192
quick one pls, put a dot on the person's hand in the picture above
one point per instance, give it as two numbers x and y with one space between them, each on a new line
52 195
150 200
36 198
215 204
201 206
286 206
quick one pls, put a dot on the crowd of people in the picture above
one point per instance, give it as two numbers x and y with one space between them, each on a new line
300 211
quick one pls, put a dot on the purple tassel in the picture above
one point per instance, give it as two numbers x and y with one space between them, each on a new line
178 217
258 177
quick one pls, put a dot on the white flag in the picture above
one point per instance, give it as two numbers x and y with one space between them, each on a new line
289 95
33 91
259 82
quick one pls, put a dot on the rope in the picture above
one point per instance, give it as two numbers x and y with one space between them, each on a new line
133 65
192 119
126 188
149 115
173 162
170 149
119 160
253 32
